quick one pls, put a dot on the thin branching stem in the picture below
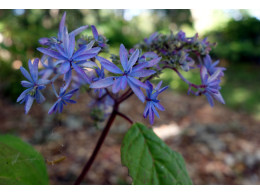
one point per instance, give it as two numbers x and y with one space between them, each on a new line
98 145
125 117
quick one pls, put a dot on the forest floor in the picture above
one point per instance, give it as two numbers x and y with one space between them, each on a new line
219 145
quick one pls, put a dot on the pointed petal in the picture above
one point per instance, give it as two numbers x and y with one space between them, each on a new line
109 65
84 57
23 94
138 92
43 82
26 74
28 103
142 73
65 67
123 83
154 110
61 51
116 85
163 89
210 99
159 106
151 115
146 109
81 72
62 26
150 87
94 32
39 97
65 40
153 62
219 97
137 82
51 53
215 76
103 83
140 66
78 30
71 46
26 84
203 75
133 59
33 67
88 64
123 56
53 109
158 86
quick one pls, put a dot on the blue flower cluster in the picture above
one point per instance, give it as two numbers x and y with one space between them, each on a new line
188 53
80 64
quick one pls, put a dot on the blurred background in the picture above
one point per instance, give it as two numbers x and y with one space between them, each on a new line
220 145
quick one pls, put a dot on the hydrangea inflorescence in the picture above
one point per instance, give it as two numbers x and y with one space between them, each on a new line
79 63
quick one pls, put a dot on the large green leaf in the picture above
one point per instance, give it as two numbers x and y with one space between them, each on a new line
20 163
150 160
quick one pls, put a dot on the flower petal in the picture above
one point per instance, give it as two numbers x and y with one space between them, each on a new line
142 73
154 110
26 74
109 65
159 106
84 57
133 59
26 84
138 92
39 97
28 103
146 109
81 72
65 67
94 32
71 46
151 115
116 85
103 83
62 26
23 94
53 109
210 99
51 53
123 83
33 67
78 30
123 56
137 82
43 82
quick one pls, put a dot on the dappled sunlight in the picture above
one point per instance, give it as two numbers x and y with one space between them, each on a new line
166 131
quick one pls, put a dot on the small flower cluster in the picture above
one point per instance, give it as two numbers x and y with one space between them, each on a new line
80 64
176 50
187 53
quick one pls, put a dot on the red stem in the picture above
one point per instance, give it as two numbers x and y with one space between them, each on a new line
98 145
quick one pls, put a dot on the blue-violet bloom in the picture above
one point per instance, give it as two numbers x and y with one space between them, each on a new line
152 101
33 84
63 99
211 84
127 76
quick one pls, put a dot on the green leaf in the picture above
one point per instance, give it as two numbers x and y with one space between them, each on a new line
20 163
150 160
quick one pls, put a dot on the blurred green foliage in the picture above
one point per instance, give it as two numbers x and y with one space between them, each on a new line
238 41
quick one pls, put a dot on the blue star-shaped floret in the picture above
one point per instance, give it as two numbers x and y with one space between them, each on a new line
152 101
33 84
